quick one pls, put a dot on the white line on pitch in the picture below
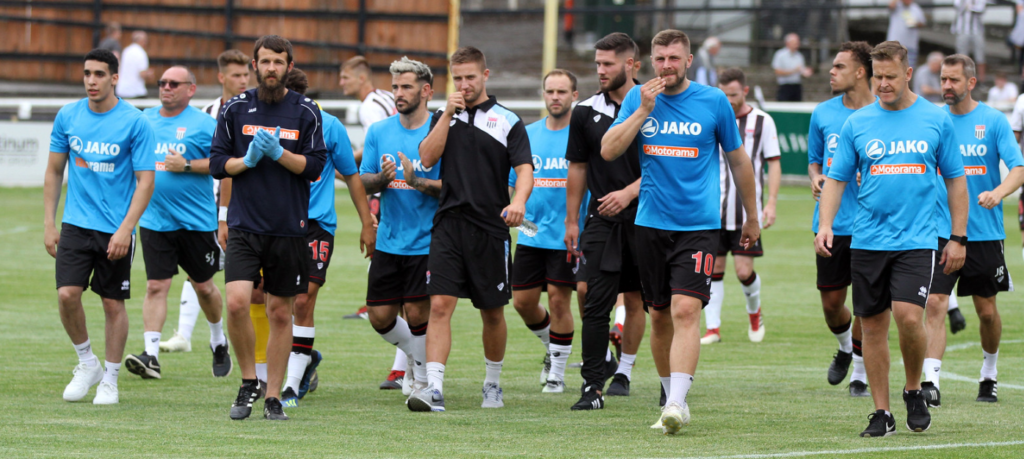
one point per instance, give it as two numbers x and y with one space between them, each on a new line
962 346
865 450
15 230
947 375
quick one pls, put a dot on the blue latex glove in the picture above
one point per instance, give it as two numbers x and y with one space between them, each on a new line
272 143
254 154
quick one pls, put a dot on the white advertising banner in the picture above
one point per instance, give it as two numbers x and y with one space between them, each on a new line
24 150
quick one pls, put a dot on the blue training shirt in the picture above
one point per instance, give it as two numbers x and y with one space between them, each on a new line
679 157
106 149
897 154
181 200
983 137
822 142
546 206
340 157
406 215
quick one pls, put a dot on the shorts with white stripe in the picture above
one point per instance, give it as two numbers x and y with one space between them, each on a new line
882 277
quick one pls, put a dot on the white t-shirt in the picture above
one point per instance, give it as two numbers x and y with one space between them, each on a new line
130 83
1007 94
376 106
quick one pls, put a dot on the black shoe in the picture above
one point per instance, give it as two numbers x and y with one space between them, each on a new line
987 391
840 367
143 365
931 394
610 367
590 400
956 321
221 361
664 397
918 418
858 389
273 411
247 394
880 425
619 386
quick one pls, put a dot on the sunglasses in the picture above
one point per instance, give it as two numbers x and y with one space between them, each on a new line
170 83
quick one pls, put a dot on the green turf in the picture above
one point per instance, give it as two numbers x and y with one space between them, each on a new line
747 398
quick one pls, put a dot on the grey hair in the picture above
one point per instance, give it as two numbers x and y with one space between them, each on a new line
964 61
406 65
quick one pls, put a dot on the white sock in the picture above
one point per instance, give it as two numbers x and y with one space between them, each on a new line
261 372
401 337
217 334
559 359
110 373
544 333
620 314
297 362
401 361
932 368
845 340
666 384
189 311
680 386
419 358
493 375
713 311
152 342
858 369
435 375
753 293
626 365
608 355
953 303
988 365
85 354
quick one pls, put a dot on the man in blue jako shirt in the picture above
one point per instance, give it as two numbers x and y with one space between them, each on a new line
109 144
180 224
408 199
897 144
679 219
541 260
984 137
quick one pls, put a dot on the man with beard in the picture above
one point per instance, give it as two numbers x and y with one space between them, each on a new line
850 77
606 249
542 262
408 200
271 142
680 127
984 137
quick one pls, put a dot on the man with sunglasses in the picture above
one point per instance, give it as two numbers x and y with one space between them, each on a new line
179 226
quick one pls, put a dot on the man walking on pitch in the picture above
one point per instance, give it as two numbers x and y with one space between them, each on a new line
984 137
108 143
270 140
470 257
179 226
678 221
897 145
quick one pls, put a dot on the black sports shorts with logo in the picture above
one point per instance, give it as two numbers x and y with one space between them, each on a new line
83 252
197 252
468 262
396 279
534 267
675 263
834 271
320 244
881 277
729 241
282 259
984 272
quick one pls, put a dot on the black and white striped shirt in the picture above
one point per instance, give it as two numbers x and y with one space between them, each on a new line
376 106
968 17
761 142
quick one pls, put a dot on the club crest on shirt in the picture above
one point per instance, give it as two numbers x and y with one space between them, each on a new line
979 131
180 134
492 122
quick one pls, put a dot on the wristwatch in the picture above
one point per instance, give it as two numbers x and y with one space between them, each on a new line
961 239
188 165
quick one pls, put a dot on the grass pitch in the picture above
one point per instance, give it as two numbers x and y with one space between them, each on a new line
751 400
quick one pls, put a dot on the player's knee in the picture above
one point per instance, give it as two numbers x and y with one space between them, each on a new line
206 289
238 307
987 315
279 316
685 314
157 287
743 272
492 317
68 297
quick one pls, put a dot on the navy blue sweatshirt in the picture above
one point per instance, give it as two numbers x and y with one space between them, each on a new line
269 199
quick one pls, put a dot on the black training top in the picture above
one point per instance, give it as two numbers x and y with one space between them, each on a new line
269 199
484 143
590 121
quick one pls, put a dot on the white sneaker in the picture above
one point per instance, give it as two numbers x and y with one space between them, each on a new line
553 386
106 394
177 343
407 382
85 377
492 396
674 417
756 320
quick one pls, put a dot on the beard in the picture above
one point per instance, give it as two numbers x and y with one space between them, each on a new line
270 93
954 98
617 82
411 106
680 79
559 115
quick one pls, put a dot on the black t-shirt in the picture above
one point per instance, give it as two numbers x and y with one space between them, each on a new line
590 121
484 143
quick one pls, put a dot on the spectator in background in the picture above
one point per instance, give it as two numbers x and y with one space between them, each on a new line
134 68
905 17
703 68
970 32
926 78
112 42
1003 91
789 69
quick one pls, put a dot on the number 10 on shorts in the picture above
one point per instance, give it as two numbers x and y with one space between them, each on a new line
708 262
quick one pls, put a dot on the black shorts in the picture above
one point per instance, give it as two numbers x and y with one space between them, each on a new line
882 277
984 272
608 245
321 244
396 279
468 262
675 263
535 267
283 261
197 252
729 241
834 271
83 252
